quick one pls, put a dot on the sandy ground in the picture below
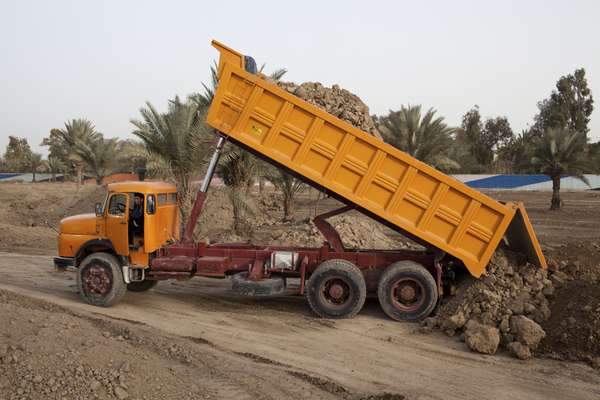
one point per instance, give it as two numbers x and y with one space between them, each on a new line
230 347
367 354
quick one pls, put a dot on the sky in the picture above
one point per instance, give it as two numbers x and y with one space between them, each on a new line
102 60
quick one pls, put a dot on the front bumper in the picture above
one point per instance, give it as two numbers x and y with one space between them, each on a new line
64 262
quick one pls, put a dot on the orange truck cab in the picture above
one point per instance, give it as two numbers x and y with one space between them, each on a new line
134 220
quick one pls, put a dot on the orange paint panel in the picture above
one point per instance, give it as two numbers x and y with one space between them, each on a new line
378 195
410 212
316 162
301 120
362 152
347 179
331 135
270 105
393 169
286 146
441 228
425 185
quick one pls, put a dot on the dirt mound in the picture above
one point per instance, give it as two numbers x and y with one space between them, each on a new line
336 101
25 209
510 288
574 327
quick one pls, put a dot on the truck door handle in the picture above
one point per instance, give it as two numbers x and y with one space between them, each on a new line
123 222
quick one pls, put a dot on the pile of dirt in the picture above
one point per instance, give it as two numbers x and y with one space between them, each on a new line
356 230
25 209
336 101
505 307
574 327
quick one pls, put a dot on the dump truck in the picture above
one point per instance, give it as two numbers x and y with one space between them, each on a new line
458 227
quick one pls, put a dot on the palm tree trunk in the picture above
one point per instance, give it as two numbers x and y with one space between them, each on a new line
288 208
33 172
79 168
555 204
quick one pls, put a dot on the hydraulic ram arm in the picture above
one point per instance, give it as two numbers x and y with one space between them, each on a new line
201 195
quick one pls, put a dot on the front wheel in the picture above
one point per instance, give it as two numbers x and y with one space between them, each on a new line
407 291
100 280
336 289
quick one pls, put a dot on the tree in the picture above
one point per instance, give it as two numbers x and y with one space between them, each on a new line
98 154
427 139
72 137
180 141
54 166
568 107
289 186
35 163
559 152
237 171
484 139
18 154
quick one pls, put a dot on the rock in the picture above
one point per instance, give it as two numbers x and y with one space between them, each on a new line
95 385
455 321
504 325
482 338
519 350
121 393
526 331
595 362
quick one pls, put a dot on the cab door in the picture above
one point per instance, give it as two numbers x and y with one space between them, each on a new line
117 222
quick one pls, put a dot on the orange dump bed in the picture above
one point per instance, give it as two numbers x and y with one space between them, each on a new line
375 177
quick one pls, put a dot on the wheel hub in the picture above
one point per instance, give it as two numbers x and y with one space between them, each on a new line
335 291
97 280
408 294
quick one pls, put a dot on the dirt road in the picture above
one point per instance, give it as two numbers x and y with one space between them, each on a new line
367 354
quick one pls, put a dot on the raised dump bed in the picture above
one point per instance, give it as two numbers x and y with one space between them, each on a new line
363 171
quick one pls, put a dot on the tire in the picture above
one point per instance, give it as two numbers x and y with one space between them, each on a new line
142 286
420 291
100 280
264 287
336 289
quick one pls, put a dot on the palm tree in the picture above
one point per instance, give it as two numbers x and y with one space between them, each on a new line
427 139
35 162
54 165
98 154
558 152
289 187
76 131
180 141
237 171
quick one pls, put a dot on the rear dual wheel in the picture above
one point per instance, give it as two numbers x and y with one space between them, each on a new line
336 289
407 291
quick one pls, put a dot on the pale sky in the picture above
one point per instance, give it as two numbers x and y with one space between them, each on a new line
102 60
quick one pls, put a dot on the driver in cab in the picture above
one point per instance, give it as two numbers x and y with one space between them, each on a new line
136 219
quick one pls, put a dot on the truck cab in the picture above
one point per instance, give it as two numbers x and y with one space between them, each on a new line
133 222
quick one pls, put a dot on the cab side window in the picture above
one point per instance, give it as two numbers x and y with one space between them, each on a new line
117 204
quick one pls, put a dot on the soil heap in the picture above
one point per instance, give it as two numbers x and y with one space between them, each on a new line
505 307
336 101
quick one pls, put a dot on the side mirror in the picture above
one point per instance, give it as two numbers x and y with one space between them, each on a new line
99 211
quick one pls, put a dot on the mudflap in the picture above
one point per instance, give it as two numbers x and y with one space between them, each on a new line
521 237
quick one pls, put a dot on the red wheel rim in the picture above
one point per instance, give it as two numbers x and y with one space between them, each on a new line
97 280
408 294
335 292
